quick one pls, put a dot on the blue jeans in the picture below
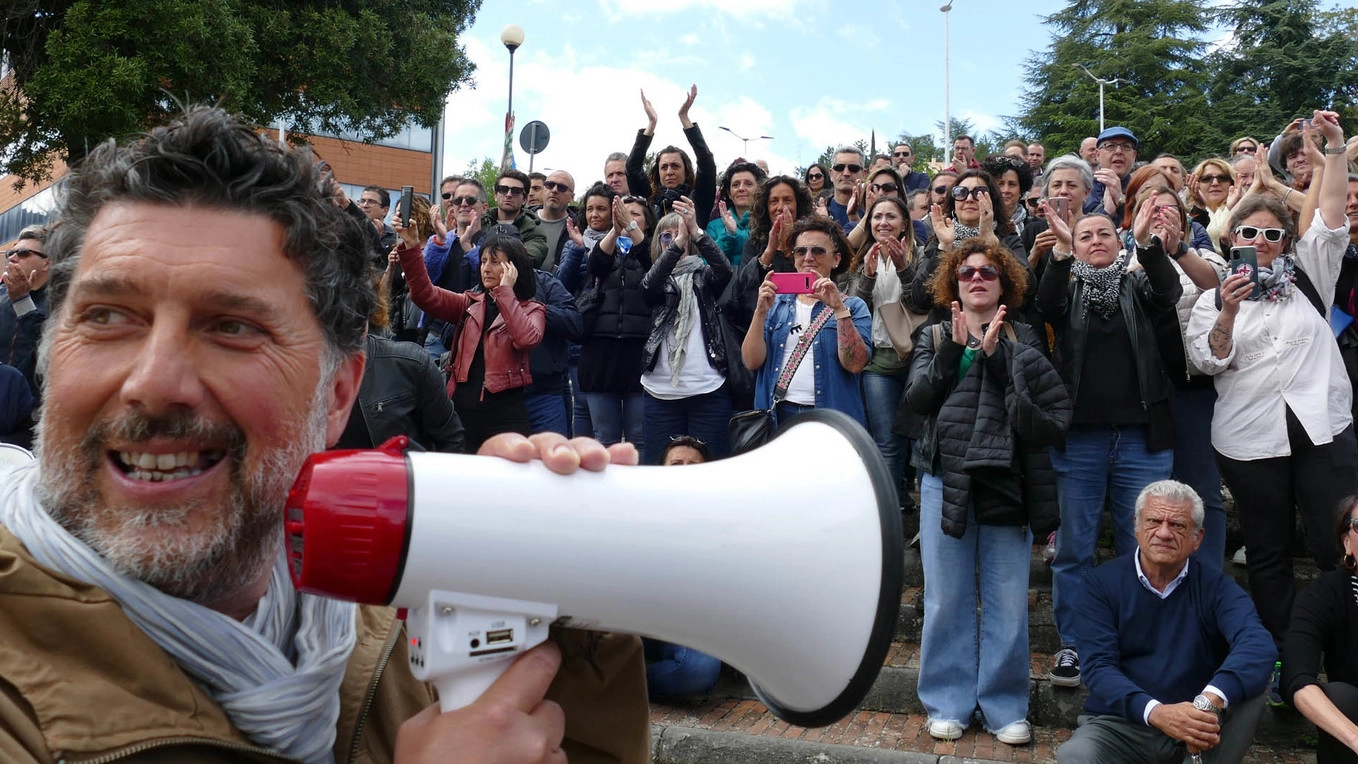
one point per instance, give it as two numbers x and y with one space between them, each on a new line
1195 464
971 660
615 415
547 412
881 397
1100 462
433 345
706 417
581 426
676 671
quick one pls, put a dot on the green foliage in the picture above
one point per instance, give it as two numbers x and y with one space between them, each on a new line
487 171
1153 46
89 70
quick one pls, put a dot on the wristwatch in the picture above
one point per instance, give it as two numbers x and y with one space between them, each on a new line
1340 149
1204 703
632 226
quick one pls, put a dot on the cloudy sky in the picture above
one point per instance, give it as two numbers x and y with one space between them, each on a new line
810 73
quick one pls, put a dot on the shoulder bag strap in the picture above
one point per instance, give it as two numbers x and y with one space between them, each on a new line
798 353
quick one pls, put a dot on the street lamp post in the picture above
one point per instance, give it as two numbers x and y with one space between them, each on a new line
745 151
512 37
947 116
1113 81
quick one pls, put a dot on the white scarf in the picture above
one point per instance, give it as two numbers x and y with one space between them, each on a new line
686 315
247 667
886 288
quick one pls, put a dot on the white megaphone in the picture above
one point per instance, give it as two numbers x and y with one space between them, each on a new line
790 558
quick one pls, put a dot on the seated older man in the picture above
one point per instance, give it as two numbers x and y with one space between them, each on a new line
1175 656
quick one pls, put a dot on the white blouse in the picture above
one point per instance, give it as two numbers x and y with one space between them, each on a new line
1283 356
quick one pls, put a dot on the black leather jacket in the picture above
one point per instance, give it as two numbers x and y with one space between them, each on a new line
402 393
1152 289
662 294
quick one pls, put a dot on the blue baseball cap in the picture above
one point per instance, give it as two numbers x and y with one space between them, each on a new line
1118 132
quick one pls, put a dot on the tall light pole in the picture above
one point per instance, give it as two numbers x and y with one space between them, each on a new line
947 116
1113 81
512 37
745 151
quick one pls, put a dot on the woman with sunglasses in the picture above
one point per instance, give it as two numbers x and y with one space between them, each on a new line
1283 427
685 360
971 210
1104 317
884 181
731 228
1323 638
1244 145
792 377
977 523
1212 192
817 180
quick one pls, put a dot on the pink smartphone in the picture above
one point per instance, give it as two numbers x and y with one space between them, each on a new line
793 283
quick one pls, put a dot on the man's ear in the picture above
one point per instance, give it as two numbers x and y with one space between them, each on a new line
341 396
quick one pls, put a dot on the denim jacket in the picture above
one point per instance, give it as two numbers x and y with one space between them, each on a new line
836 388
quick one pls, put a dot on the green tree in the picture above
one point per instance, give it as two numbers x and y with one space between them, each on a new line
1284 60
923 147
486 170
1155 49
87 70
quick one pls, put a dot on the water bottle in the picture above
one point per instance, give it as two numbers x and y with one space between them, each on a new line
624 245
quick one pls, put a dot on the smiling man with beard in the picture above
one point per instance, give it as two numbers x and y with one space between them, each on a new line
208 310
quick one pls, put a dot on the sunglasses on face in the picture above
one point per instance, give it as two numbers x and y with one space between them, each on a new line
814 176
940 190
959 193
631 199
905 154
509 190
1210 179
969 272
854 168
462 201
1245 149
1034 203
667 238
805 252
22 253
1352 524
884 188
552 185
1250 233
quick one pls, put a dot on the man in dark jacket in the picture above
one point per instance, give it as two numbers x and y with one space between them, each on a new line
545 397
511 190
23 303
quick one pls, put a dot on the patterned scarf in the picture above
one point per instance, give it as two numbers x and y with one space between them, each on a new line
1275 283
686 316
1102 285
963 232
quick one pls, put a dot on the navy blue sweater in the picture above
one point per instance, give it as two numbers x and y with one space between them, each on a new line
1135 646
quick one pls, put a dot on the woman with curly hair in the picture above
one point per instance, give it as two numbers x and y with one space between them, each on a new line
731 228
1212 193
977 522
782 201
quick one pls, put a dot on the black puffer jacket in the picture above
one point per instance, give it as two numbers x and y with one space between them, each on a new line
623 312
660 291
917 295
1152 288
987 434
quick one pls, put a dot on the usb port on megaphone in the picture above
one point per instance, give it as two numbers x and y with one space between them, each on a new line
499 636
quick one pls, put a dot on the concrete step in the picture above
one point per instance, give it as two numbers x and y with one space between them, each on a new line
728 731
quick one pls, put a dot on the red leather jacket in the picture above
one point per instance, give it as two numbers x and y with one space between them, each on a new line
516 331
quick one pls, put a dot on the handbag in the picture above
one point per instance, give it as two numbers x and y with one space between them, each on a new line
751 429
588 303
901 323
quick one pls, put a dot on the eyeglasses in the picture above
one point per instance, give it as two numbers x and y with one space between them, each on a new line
1352 524
509 190
969 272
1250 233
959 193
884 188
667 238
905 154
854 168
805 252
22 253
1034 203
815 176
1245 148
1210 179
940 190
633 199
364 202
463 201
552 185
1117 147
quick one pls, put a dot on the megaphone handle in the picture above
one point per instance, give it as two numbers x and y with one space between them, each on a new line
470 683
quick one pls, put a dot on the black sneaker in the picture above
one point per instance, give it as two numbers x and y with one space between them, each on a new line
1065 668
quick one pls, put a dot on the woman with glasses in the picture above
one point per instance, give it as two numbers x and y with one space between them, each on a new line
796 374
1212 192
971 210
731 228
1283 426
1104 318
672 175
685 360
884 181
817 180
1013 178
1323 638
977 522
781 202
1244 145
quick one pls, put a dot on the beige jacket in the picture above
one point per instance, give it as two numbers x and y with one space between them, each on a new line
80 683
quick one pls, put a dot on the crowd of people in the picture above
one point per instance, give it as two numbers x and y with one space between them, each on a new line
1030 341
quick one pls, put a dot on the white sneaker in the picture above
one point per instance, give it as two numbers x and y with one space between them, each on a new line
1018 733
946 730
1239 557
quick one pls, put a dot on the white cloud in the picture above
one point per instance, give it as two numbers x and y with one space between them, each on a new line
746 62
833 122
740 9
